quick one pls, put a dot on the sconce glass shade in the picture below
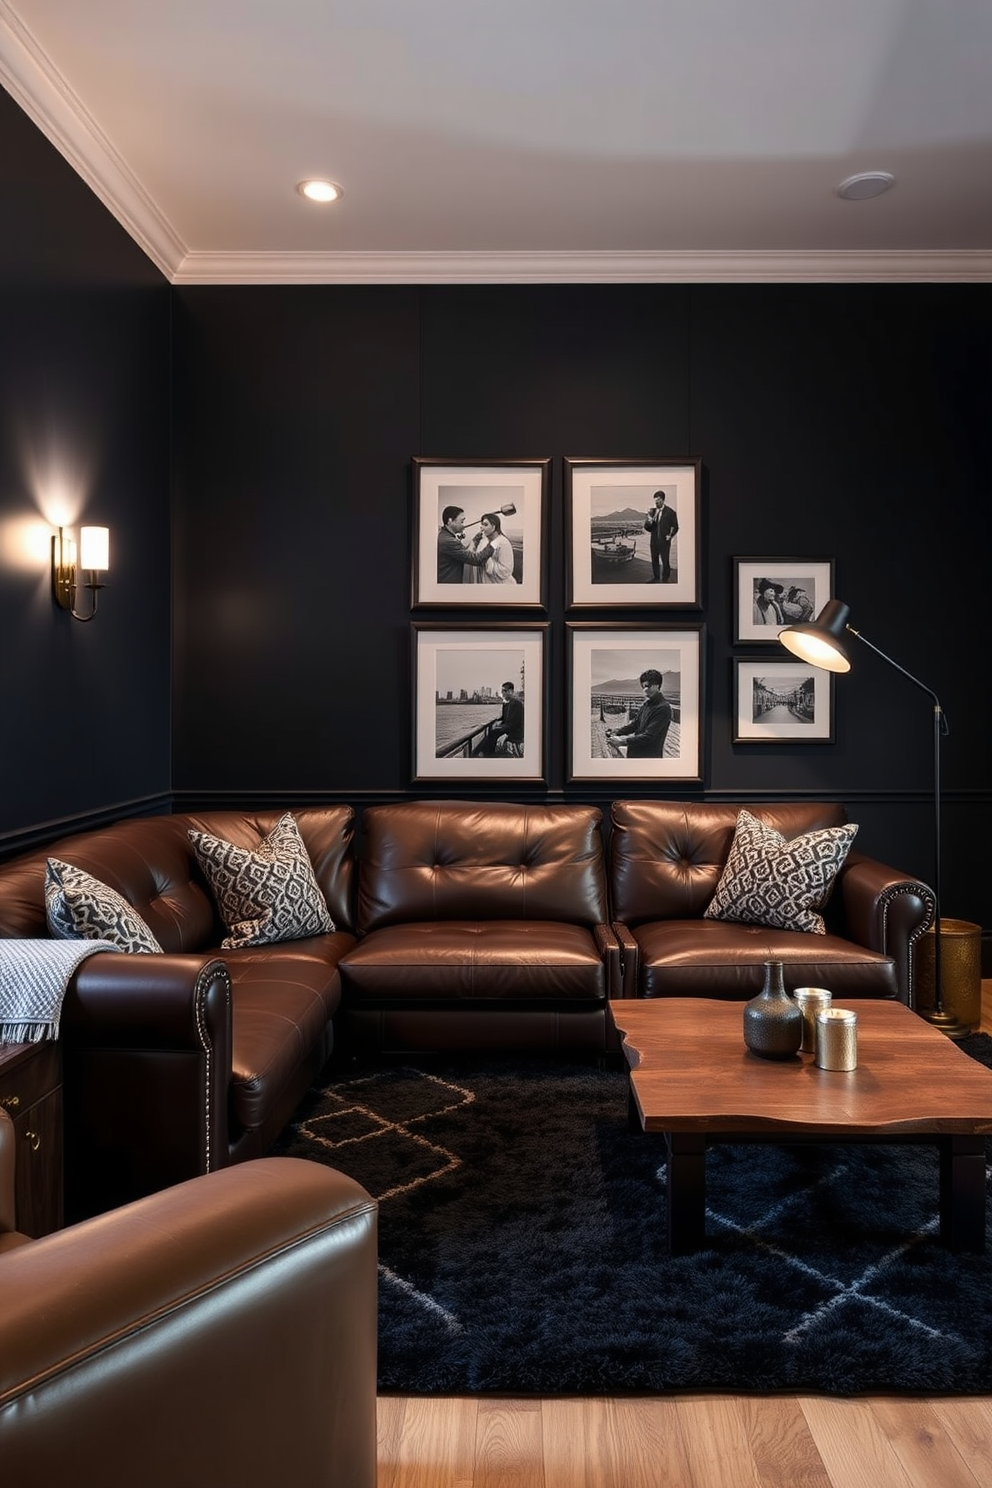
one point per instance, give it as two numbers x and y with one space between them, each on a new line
72 571
94 548
821 642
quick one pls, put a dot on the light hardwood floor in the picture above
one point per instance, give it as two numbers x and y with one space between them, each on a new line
688 1441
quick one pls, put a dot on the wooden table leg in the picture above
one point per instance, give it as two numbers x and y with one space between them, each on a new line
686 1191
962 1193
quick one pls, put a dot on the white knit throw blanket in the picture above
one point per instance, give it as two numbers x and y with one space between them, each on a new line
34 975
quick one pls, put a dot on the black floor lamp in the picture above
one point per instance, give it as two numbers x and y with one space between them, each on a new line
821 643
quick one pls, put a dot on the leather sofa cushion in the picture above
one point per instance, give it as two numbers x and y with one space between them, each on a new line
713 958
472 860
534 961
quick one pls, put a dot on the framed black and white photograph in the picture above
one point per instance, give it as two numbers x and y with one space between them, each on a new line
782 702
478 533
633 533
770 593
479 701
635 702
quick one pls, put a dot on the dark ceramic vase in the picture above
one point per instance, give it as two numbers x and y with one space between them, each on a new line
773 1021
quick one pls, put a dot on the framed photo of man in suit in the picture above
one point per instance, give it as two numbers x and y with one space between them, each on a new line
632 533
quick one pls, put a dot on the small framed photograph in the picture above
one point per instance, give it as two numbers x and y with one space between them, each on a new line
633 533
782 702
635 702
479 701
770 593
478 533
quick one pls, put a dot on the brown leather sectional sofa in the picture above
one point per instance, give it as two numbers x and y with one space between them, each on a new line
476 925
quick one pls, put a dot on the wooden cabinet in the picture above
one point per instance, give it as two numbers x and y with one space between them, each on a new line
31 1094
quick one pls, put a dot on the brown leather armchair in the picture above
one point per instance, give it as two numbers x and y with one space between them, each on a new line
222 1331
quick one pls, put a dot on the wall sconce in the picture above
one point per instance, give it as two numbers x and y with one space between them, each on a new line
94 561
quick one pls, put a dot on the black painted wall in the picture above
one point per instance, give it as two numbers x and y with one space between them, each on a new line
84 435
844 421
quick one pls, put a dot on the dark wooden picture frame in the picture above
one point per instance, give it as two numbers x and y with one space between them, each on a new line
513 575
795 592
606 661
458 671
624 548
781 702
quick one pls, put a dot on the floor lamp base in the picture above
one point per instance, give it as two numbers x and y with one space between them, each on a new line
946 1022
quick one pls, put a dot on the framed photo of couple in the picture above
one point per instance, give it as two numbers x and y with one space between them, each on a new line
479 701
632 533
771 593
479 533
635 702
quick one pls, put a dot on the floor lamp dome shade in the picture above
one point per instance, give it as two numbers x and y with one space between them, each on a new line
821 642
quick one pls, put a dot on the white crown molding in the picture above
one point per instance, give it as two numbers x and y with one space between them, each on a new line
46 97
583 268
43 93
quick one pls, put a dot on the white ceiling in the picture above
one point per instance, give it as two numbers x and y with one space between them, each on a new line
522 140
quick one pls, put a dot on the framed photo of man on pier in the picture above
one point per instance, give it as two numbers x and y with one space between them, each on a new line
782 702
479 701
479 533
635 702
633 534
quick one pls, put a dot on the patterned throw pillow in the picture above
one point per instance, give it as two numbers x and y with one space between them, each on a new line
267 894
771 881
80 907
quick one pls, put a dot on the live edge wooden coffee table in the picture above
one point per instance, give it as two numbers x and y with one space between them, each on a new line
692 1078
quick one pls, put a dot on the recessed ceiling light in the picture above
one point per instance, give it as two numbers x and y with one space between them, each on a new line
320 191
865 185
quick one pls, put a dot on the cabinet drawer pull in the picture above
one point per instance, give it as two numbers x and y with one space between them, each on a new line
34 1139
10 1102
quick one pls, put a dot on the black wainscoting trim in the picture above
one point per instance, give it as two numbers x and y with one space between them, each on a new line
14 843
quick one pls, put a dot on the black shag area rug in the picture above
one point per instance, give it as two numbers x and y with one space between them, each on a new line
522 1246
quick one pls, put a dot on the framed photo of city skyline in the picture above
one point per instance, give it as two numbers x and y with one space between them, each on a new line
479 533
782 702
632 533
479 701
771 593
635 700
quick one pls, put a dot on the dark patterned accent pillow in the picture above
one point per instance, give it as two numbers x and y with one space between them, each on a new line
264 895
80 907
769 880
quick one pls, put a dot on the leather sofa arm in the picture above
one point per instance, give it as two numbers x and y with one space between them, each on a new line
629 961
609 949
146 1059
223 1331
886 910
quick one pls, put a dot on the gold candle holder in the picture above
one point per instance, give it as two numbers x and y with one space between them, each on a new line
836 1039
811 1000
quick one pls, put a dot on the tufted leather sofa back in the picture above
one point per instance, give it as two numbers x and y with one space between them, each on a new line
471 860
150 861
666 857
